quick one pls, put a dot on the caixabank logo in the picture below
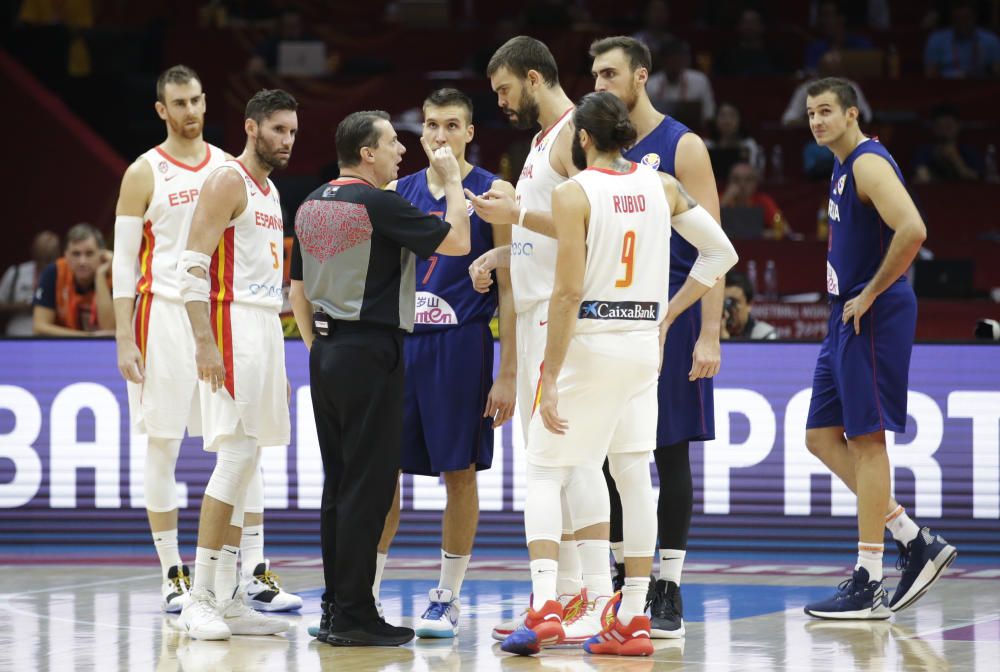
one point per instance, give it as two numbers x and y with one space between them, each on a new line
619 310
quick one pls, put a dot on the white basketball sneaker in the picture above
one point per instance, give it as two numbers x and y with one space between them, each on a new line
263 591
176 589
501 631
583 622
200 618
242 620
441 617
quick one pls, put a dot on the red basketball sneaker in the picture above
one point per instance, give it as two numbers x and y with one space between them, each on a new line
621 640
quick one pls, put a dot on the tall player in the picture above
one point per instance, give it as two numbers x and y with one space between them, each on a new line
608 316
860 383
155 345
230 280
452 402
525 77
691 355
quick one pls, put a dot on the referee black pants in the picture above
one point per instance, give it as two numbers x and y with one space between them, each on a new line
356 376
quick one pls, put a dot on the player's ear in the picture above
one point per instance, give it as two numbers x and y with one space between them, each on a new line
641 76
161 110
250 126
470 133
534 78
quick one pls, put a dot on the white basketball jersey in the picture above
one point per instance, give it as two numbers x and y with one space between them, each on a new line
167 220
247 265
532 255
626 281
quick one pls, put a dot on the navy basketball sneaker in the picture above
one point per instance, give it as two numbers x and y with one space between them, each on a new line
856 597
922 562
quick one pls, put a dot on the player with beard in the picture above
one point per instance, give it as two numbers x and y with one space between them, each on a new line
155 345
691 353
525 77
230 278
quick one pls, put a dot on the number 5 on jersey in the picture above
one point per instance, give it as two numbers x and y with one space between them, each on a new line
628 258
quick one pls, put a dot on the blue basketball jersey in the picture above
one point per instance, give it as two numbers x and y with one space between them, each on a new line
858 238
657 150
445 297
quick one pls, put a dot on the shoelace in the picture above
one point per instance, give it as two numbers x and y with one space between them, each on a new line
436 611
904 557
578 611
269 579
662 606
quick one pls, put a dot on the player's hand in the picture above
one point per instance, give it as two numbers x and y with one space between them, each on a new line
500 402
548 408
480 271
442 160
130 361
495 206
288 391
706 358
208 359
855 309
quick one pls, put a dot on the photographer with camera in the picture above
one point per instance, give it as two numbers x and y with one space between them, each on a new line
737 322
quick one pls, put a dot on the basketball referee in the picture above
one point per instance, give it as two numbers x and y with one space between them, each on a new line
353 293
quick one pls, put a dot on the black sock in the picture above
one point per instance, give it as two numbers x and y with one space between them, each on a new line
673 510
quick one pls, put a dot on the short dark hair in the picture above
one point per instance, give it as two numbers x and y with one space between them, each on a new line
521 54
737 279
448 96
84 231
357 130
177 74
266 102
637 52
840 87
604 116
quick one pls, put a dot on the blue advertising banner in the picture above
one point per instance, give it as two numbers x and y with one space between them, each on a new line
71 470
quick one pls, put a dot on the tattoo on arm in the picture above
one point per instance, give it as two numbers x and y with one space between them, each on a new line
689 202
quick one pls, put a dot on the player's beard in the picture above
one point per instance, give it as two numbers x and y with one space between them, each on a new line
631 97
268 156
579 156
188 131
527 112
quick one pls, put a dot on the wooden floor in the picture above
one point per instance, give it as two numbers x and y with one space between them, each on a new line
739 616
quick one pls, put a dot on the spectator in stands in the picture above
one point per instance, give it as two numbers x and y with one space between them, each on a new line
964 50
737 321
655 21
875 14
832 23
266 57
74 293
678 90
17 287
750 56
945 158
728 143
741 192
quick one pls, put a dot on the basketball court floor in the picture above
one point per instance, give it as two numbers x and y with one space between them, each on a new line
740 615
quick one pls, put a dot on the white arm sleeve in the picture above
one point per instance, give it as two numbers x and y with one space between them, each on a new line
716 254
125 262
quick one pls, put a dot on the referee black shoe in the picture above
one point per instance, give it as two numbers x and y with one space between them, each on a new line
666 611
377 633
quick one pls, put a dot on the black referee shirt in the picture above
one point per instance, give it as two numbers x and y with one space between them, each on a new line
354 252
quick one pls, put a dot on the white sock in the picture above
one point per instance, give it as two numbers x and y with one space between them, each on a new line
568 581
453 571
901 527
206 560
671 564
594 563
226 580
870 557
251 549
633 598
166 549
618 550
543 581
380 559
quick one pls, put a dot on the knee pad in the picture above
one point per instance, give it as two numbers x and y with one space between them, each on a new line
160 485
542 511
255 491
243 500
587 496
631 474
567 516
234 465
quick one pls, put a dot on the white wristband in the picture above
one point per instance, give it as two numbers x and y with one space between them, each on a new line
520 217
193 288
124 263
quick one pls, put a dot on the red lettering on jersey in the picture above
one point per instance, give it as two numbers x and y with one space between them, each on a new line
629 204
182 197
267 221
527 171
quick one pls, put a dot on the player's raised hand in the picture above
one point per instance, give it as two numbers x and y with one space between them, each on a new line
130 362
494 206
442 160
549 407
